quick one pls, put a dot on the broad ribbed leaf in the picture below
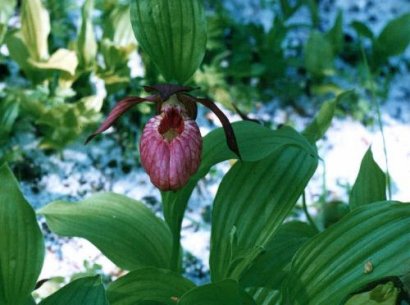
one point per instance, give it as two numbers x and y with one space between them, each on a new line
264 296
148 284
126 231
84 291
370 185
268 270
21 243
172 33
255 143
395 37
368 244
226 292
35 28
253 200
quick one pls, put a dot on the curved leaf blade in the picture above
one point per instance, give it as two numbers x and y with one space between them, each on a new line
21 243
269 268
252 201
88 290
368 244
172 33
226 292
370 184
148 285
126 231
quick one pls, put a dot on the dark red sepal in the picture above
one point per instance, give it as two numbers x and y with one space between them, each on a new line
119 109
229 133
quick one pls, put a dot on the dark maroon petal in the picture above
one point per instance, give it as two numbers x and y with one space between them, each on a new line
230 135
119 109
166 90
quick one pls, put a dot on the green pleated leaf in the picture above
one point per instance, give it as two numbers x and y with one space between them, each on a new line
395 36
226 292
269 268
21 243
84 291
35 28
264 296
149 285
370 184
368 244
385 294
126 231
172 33
255 142
252 201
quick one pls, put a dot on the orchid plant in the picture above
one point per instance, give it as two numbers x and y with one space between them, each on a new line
258 256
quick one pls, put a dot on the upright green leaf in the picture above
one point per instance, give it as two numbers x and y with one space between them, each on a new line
269 268
121 30
368 244
395 36
226 292
21 243
362 29
336 35
172 33
35 28
126 231
252 201
370 185
255 143
321 123
87 291
319 55
148 284
87 44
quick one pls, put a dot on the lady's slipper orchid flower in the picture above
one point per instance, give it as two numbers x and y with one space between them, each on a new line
171 142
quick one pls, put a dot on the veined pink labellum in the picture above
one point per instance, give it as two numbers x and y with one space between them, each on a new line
170 148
